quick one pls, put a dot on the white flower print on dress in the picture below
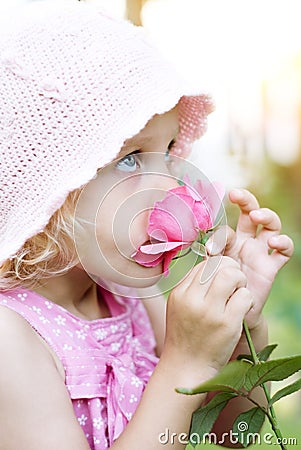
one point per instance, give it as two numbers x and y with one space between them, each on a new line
44 320
97 423
135 343
37 310
48 304
67 347
82 419
56 331
122 397
135 381
60 320
22 297
81 334
133 398
115 346
101 334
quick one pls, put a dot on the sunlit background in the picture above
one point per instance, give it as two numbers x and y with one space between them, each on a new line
247 55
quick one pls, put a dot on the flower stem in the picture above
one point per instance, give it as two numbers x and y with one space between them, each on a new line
250 343
271 414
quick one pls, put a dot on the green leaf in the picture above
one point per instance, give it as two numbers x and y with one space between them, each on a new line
230 378
265 353
273 370
203 418
287 390
247 426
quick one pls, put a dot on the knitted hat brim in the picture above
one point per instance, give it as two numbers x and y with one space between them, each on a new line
75 87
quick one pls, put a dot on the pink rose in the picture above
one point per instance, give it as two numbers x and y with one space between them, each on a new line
177 221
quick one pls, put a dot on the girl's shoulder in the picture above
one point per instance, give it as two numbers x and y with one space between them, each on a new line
15 332
28 374
18 338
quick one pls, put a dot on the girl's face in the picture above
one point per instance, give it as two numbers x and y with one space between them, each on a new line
113 208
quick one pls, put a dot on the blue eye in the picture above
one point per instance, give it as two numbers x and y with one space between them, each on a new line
128 164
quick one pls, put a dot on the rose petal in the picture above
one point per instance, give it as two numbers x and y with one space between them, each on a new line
146 259
174 221
154 249
203 216
174 215
167 261
212 194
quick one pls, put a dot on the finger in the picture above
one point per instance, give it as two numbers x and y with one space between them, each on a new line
267 218
202 278
270 221
211 266
198 291
223 241
239 304
282 244
223 238
226 281
247 202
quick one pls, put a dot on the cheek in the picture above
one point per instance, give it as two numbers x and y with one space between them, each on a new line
122 221
121 232
138 229
104 225
112 227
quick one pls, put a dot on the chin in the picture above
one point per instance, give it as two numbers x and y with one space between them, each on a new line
142 282
131 275
143 277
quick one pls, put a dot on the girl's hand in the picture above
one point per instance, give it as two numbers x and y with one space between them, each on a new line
259 248
204 320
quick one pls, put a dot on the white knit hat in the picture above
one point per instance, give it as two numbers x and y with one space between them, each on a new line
75 84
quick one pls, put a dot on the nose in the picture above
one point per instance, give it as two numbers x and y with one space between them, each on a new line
161 176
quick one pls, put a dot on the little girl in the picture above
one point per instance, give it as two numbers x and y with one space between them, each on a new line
87 109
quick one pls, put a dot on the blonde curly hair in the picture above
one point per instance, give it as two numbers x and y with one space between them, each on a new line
47 254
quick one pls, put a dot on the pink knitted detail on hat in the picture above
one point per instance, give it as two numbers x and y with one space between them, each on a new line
75 85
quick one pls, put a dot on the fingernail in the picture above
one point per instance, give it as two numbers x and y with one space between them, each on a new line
274 240
257 213
237 191
212 247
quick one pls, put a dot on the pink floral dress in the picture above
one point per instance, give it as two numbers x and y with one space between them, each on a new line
107 361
